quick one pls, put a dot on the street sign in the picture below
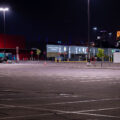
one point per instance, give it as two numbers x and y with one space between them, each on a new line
38 52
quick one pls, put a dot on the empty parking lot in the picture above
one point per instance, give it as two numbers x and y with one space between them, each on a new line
59 91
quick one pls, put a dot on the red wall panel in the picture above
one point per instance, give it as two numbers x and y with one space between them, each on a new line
12 41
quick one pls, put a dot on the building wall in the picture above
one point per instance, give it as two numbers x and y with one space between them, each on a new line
57 50
9 43
12 41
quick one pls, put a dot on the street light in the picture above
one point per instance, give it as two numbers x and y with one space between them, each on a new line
4 10
110 34
89 30
95 28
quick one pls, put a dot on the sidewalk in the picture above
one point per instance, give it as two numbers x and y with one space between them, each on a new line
81 65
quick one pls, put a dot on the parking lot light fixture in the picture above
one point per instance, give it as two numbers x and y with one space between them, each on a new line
4 10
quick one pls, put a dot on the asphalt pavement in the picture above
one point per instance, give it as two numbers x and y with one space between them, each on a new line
59 91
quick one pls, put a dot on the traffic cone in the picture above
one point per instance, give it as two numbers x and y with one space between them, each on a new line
45 63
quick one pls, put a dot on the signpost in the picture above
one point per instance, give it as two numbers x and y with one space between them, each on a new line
31 52
17 54
38 51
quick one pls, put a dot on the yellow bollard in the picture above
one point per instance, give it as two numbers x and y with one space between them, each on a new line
59 59
111 59
56 60
67 60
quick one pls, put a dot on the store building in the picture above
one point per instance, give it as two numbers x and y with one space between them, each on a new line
76 53
8 45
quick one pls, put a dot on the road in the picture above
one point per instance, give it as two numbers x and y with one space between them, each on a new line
59 91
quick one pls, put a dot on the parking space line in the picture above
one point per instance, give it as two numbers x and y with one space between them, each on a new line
44 109
99 115
74 102
82 112
94 110
33 107
82 101
115 83
5 118
5 105
3 76
91 80
12 99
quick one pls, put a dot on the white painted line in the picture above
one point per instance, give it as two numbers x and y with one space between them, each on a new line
29 107
61 103
63 112
71 112
86 81
6 118
4 74
37 98
99 115
83 101
82 112
115 83
94 110
5 105
44 109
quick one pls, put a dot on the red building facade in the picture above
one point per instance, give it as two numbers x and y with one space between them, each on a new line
8 43
12 41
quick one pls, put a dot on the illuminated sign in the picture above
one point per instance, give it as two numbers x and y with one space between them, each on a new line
113 50
118 35
65 49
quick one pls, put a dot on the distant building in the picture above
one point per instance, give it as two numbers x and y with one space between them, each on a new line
8 44
12 41
77 53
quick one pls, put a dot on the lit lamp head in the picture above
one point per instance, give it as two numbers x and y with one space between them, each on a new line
4 9
98 37
110 34
95 28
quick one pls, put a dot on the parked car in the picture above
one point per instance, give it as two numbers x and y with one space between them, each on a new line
3 59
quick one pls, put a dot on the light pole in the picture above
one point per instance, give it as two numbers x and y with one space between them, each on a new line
4 10
95 32
89 30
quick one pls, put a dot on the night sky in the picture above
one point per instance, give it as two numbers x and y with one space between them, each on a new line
59 20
